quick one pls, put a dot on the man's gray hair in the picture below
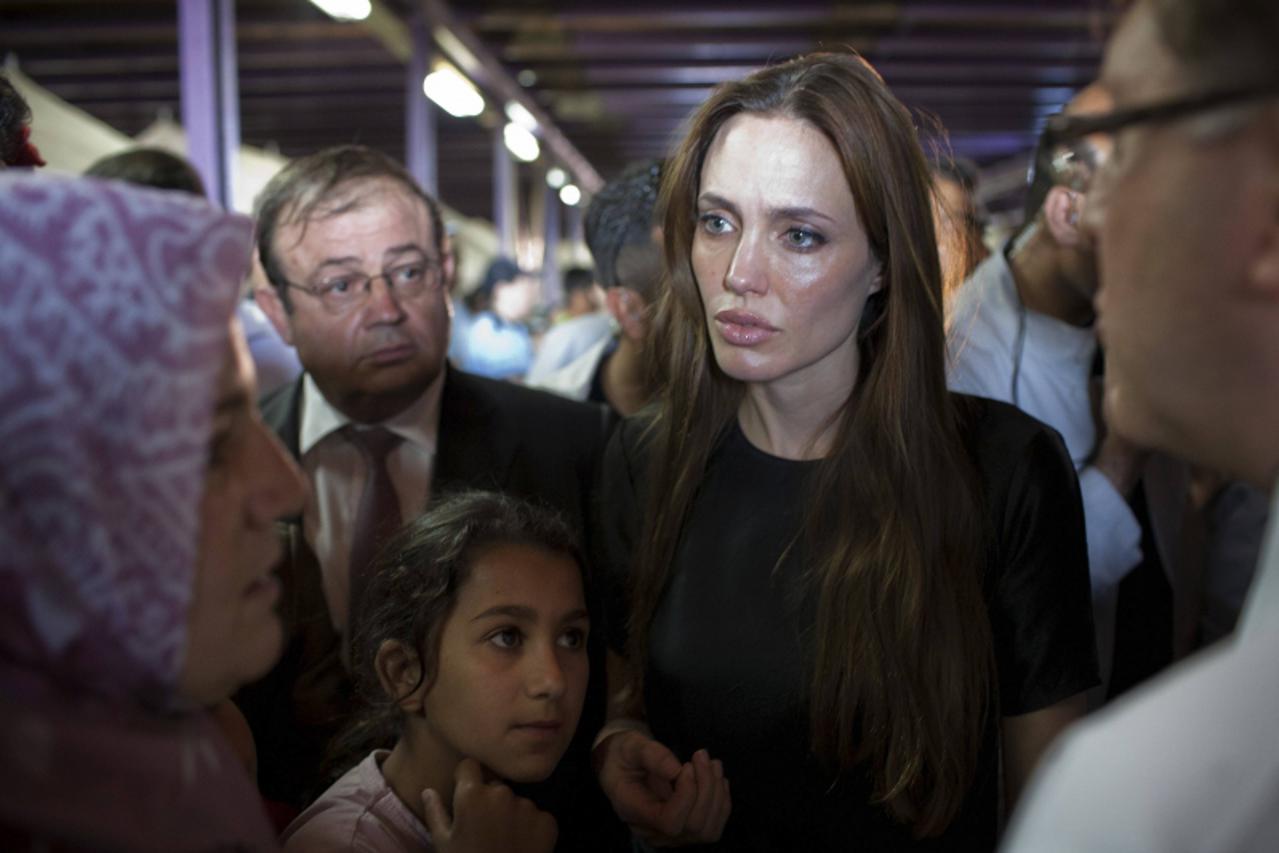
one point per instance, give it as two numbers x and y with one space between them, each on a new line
308 188
1224 42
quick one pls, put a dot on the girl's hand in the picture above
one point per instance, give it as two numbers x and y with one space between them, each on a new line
487 817
664 802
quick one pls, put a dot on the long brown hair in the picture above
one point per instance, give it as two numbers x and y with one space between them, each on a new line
902 670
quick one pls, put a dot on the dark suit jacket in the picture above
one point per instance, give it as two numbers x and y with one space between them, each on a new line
492 435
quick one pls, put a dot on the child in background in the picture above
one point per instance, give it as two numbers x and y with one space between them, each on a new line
470 646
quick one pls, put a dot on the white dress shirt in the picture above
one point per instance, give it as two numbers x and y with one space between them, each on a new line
337 474
565 342
1187 762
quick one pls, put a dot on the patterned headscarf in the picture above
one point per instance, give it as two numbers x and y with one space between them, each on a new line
114 308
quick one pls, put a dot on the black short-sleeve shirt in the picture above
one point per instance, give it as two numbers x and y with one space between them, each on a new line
731 638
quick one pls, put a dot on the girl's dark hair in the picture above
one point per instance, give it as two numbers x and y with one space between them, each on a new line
901 682
14 115
417 576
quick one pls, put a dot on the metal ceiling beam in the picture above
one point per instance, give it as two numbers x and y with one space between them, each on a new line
494 77
604 76
1030 16
631 20
338 83
783 17
585 49
614 75
980 46
578 49
59 33
318 30
750 48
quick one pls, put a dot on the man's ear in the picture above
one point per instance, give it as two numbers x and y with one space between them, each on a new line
268 299
1263 272
448 263
629 310
399 671
1063 212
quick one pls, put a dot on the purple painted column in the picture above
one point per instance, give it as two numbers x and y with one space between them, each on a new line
420 146
573 230
552 284
503 194
210 92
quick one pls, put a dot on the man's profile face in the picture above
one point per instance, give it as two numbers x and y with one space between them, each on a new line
374 359
1176 212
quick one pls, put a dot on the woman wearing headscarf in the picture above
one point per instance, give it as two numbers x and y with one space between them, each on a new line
139 494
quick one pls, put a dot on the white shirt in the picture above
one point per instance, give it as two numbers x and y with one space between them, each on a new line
1188 762
574 379
337 474
565 343
1053 380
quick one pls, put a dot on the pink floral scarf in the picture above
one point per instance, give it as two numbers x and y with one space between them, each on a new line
114 310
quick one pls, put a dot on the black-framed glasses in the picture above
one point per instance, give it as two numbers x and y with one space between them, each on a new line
1065 129
344 291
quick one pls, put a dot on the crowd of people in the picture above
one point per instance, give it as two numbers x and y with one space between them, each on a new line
782 540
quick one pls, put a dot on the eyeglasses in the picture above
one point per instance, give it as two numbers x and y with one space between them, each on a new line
1065 129
344 291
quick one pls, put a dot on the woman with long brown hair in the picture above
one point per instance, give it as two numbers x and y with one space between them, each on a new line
834 583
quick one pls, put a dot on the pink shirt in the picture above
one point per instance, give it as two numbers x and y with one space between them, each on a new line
359 812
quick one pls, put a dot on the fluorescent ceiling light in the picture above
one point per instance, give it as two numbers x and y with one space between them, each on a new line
516 112
556 178
452 92
570 195
520 142
458 52
345 10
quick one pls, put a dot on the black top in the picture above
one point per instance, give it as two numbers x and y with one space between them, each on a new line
731 639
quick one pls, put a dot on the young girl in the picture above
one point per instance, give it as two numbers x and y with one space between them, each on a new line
470 646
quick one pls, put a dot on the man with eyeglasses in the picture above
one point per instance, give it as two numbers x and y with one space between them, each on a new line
1186 214
1020 329
354 253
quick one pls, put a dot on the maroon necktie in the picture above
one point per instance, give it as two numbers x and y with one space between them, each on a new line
379 512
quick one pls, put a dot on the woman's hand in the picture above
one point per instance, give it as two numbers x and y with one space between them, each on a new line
487 817
664 802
